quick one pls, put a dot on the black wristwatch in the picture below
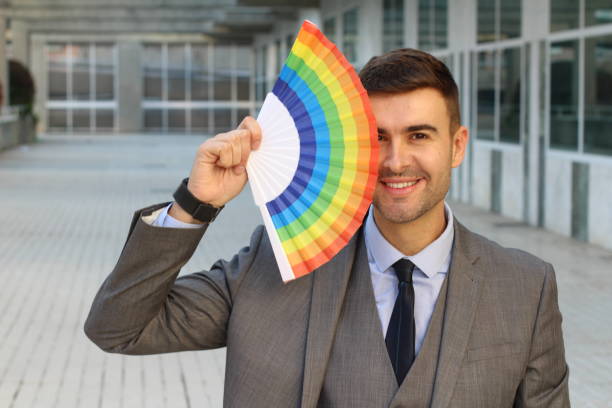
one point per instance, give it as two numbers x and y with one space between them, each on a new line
197 209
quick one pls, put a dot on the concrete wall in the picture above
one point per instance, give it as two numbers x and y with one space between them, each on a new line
600 204
481 188
512 184
15 131
369 42
129 76
558 198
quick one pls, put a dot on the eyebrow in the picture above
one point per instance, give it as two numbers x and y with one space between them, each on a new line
413 128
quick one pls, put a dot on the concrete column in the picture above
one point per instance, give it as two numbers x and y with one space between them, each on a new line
311 14
462 14
370 27
39 68
21 44
534 31
3 64
129 80
462 22
411 23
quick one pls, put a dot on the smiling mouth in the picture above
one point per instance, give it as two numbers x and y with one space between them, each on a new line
401 185
400 188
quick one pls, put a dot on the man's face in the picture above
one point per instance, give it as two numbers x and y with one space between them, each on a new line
417 153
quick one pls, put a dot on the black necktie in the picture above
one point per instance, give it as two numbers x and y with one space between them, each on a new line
401 331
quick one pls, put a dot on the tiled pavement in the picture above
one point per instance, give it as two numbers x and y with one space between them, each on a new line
65 207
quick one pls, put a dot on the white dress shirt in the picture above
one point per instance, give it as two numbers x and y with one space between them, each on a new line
431 267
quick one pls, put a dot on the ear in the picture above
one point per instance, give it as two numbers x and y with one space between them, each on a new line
459 144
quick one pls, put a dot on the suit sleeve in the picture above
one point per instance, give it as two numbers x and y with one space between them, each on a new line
142 308
546 377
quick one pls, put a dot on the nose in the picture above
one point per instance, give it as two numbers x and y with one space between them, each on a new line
395 156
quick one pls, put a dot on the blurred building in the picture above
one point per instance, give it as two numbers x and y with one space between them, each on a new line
535 80
140 65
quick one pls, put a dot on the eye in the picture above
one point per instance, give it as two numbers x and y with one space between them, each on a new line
381 137
419 136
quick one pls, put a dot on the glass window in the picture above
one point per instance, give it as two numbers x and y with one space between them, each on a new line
176 73
425 24
393 24
57 57
79 74
240 115
199 73
598 95
510 95
598 12
486 95
350 34
486 20
440 29
152 66
81 119
498 20
223 120
81 79
260 74
564 14
105 75
222 55
510 19
564 95
289 44
279 56
105 119
243 73
176 120
329 28
199 120
153 119
58 119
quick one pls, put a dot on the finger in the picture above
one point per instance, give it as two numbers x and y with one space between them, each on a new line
225 154
237 149
245 145
230 148
251 124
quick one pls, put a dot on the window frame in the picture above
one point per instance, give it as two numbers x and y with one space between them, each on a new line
92 104
579 35
188 105
498 48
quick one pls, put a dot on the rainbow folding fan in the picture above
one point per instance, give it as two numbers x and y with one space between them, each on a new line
314 174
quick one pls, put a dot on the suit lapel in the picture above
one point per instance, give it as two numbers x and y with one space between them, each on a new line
465 282
328 291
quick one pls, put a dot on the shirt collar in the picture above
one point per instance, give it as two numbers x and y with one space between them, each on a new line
432 259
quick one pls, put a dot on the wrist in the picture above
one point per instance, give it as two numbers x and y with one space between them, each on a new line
177 212
190 209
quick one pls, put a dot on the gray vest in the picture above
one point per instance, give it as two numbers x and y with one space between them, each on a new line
359 371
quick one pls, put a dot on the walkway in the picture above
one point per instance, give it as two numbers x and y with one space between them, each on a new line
65 207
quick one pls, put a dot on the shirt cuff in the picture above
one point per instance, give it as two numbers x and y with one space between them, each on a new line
161 218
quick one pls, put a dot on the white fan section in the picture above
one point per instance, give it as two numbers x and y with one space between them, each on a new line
272 167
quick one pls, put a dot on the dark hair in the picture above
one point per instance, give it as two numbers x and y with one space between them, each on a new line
407 69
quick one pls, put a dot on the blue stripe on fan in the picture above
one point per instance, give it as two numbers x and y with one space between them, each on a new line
314 155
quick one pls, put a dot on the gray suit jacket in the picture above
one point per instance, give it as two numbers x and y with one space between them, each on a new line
501 341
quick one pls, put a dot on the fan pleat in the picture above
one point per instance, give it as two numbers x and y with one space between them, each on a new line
329 191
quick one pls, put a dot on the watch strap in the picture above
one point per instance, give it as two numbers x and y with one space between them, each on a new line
199 210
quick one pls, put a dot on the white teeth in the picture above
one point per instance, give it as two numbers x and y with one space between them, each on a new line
401 185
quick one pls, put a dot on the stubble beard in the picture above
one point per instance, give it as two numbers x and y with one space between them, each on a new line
398 214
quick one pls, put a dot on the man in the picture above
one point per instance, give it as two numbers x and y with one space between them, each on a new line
415 311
